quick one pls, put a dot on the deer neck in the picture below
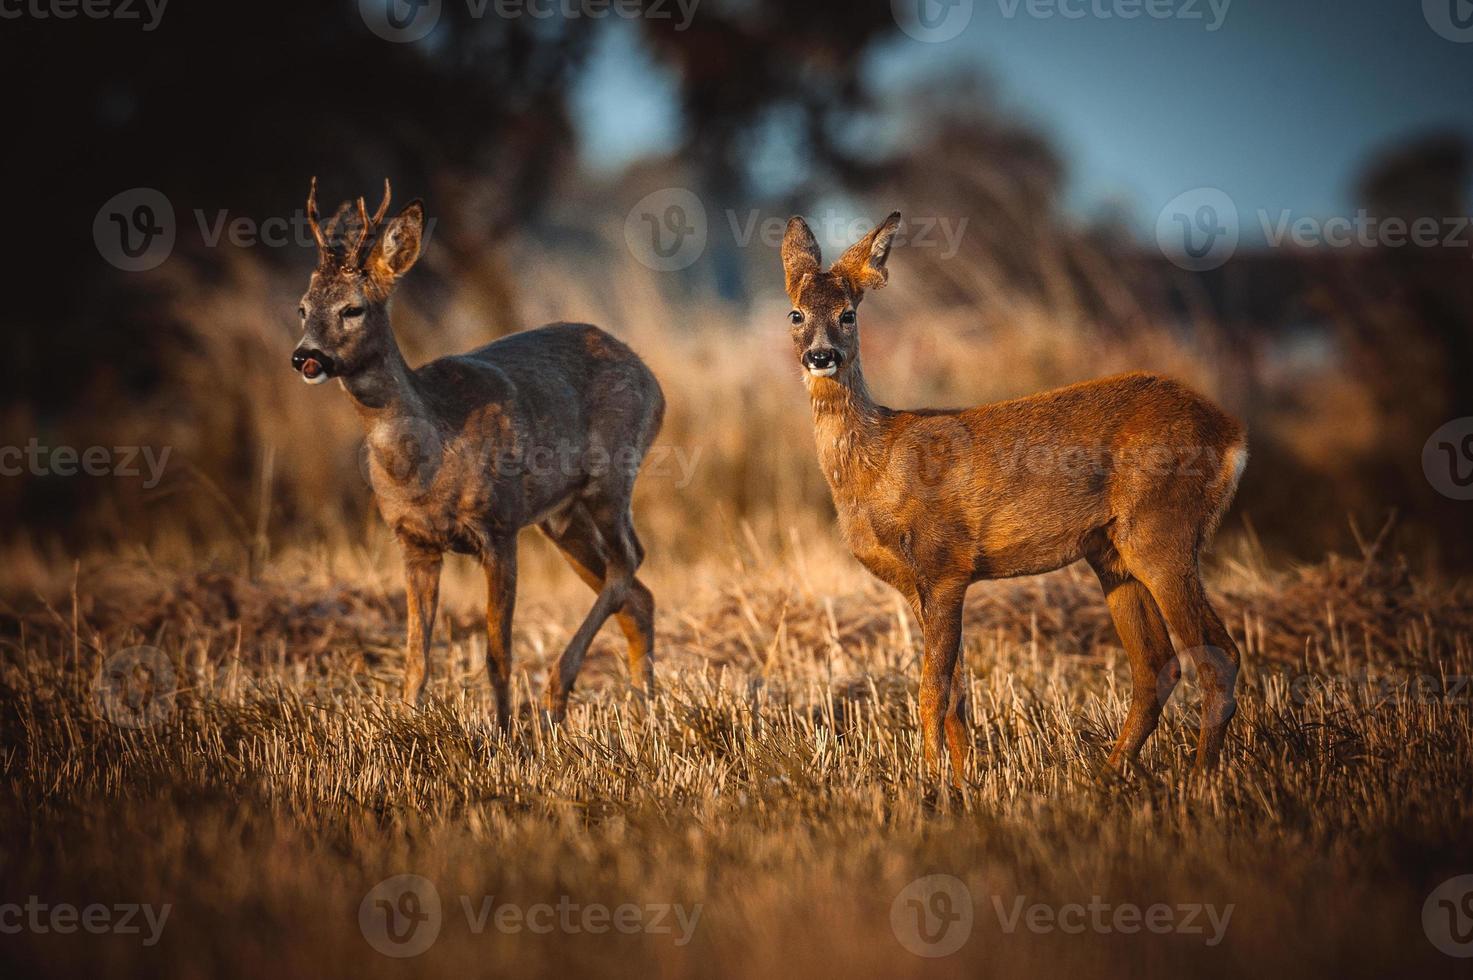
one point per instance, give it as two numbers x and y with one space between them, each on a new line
848 426
384 389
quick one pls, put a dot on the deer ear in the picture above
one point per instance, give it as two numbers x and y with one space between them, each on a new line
801 256
397 247
864 264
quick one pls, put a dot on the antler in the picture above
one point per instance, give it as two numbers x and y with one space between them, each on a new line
312 217
367 227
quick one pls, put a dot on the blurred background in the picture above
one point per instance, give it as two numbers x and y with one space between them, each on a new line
1268 200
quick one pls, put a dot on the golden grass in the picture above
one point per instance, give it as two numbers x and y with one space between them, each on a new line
776 782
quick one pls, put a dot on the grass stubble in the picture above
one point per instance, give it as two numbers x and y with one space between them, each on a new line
773 791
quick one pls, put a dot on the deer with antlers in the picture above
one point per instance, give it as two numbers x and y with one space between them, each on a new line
1131 474
547 427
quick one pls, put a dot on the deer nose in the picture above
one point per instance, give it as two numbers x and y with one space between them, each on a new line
314 366
822 361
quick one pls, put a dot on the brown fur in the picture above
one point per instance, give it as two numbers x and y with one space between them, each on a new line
1130 473
545 427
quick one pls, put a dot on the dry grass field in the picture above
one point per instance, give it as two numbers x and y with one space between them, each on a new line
763 817
199 681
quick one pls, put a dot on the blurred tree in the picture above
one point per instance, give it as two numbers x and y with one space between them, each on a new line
739 61
228 108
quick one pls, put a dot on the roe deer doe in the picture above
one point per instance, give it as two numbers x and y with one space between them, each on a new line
932 501
544 427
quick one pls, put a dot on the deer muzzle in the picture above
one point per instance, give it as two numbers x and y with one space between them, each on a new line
821 362
314 366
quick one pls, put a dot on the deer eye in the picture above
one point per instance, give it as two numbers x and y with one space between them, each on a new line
352 312
302 312
796 316
847 318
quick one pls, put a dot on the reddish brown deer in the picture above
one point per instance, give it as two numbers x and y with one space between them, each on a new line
1131 474
544 427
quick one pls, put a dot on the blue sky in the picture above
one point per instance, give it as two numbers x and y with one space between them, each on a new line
1280 106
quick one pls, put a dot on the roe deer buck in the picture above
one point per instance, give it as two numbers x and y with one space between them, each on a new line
544 427
932 501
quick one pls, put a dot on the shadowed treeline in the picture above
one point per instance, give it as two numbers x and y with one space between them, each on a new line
1342 362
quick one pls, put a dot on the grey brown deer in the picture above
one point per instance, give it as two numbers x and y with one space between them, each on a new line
1131 474
547 427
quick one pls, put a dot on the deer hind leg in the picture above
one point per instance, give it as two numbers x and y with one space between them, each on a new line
582 547
501 597
1154 668
422 591
637 620
636 617
958 734
601 547
1216 657
1176 584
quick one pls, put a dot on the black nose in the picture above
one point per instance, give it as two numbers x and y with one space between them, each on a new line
311 362
820 358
